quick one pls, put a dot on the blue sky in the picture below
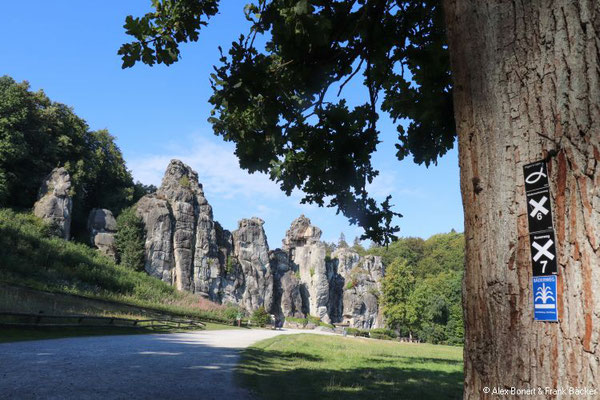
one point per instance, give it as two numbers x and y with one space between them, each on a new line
68 49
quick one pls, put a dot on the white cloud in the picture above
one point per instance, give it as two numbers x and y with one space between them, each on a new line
388 182
217 166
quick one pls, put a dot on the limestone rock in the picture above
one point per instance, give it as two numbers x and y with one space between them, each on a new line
54 203
102 228
307 254
181 189
158 226
361 279
301 233
252 253
287 289
186 247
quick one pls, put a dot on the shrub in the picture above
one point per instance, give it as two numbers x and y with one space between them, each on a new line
382 333
312 271
357 332
130 240
232 311
229 265
299 321
184 181
260 317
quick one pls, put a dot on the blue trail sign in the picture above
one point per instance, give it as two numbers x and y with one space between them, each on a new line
544 298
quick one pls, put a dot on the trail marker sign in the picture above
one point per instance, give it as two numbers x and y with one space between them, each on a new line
539 215
543 254
542 240
544 298
536 176
539 211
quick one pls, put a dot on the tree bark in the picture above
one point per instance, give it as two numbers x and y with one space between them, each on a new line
526 84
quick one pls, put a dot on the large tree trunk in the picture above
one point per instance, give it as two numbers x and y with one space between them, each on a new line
527 83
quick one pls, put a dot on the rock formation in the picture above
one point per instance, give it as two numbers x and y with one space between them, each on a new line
54 202
360 281
308 253
187 248
102 228
288 300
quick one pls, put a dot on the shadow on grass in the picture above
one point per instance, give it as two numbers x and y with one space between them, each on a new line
390 359
17 334
282 375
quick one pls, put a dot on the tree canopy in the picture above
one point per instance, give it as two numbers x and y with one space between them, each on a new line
421 291
283 103
37 135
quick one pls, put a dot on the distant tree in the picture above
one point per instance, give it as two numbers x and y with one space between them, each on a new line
358 247
397 287
37 135
409 249
130 240
342 242
436 299
140 190
442 252
330 248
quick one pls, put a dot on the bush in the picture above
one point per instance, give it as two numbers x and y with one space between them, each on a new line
232 311
357 332
299 321
260 317
383 331
130 240
230 264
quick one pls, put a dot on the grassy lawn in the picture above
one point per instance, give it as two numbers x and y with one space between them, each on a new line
16 334
328 367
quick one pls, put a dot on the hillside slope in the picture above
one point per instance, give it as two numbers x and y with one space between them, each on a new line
30 256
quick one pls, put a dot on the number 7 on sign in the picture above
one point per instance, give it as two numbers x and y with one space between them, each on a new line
544 262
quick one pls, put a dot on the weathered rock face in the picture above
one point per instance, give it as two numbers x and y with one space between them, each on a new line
186 247
183 193
360 281
252 253
156 215
54 203
102 228
287 298
307 254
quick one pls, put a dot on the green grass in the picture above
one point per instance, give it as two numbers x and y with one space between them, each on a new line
326 367
31 257
304 321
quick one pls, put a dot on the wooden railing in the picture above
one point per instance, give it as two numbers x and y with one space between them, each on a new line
43 320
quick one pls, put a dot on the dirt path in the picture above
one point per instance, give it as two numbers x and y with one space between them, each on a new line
195 365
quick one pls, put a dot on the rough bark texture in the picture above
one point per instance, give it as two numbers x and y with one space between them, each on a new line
527 83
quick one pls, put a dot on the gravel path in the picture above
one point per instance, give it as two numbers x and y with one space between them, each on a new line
195 365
